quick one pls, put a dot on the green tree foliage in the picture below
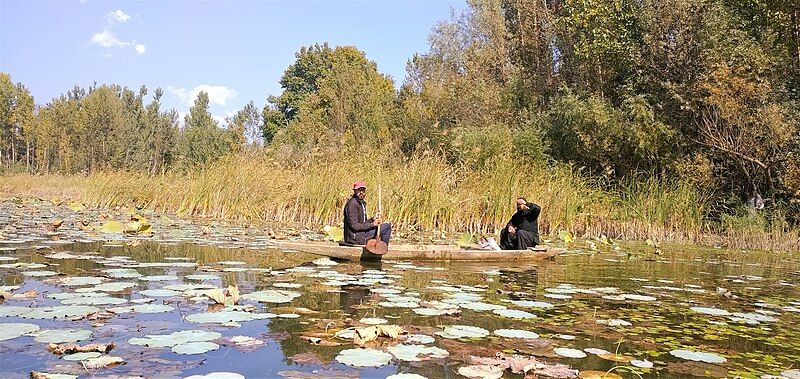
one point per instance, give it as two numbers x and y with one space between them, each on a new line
202 140
332 98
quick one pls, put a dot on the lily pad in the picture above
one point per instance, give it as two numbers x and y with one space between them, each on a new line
364 357
515 333
711 311
62 335
642 364
191 348
698 356
226 316
39 273
569 353
419 339
13 330
119 273
514 313
272 296
463 331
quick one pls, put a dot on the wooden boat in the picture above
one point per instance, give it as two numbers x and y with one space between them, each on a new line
421 252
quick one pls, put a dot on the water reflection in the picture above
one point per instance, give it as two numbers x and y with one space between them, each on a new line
579 301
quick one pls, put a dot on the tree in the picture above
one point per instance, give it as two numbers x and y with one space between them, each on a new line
202 139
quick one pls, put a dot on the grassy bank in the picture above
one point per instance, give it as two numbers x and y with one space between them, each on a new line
420 194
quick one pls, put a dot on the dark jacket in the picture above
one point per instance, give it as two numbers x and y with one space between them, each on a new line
527 219
356 223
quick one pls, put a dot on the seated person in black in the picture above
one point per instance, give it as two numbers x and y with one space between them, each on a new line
357 227
522 231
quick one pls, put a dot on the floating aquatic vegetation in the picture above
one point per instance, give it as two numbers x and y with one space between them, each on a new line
272 296
61 311
363 357
479 306
596 351
516 333
642 363
481 371
102 361
711 311
416 353
569 353
62 335
419 339
373 321
143 308
698 356
160 278
190 348
228 315
94 300
81 356
13 330
614 322
47 375
120 273
514 313
463 331
201 277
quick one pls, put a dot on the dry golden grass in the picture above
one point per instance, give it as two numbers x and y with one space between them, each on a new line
420 194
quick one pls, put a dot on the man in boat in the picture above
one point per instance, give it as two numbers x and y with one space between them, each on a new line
522 231
357 227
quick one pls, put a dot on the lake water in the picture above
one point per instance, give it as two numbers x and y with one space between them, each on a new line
686 311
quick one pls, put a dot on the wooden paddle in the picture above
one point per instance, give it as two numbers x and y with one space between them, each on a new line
375 245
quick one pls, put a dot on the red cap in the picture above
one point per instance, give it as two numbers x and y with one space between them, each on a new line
359 184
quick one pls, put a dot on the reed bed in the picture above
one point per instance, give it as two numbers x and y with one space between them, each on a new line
420 194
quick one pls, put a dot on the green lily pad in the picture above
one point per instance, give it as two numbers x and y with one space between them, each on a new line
463 331
515 333
120 273
191 348
62 335
224 316
39 273
698 356
569 353
514 313
272 296
94 300
363 357
13 330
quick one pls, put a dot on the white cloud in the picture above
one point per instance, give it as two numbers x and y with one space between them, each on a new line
139 48
118 16
108 55
216 94
107 39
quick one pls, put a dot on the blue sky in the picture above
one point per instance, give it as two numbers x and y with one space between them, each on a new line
235 50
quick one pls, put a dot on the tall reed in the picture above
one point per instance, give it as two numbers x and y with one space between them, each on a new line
424 193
